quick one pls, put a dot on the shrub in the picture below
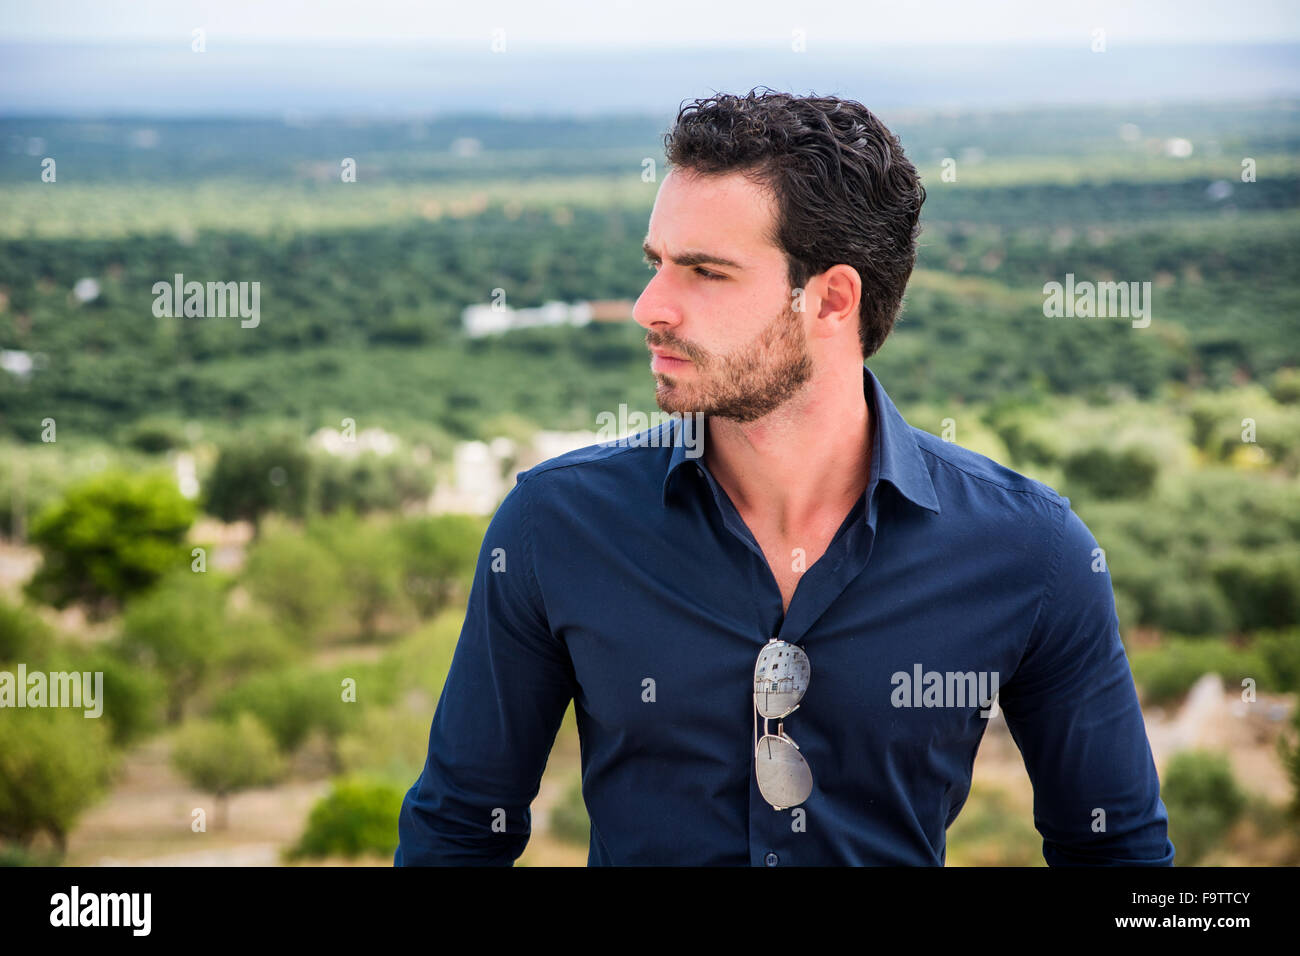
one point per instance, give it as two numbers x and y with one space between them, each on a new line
1279 651
358 816
1203 800
1020 430
1169 671
1263 586
154 436
1103 472
1189 606
1285 387
389 742
15 855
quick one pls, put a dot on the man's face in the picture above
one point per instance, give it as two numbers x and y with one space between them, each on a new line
719 301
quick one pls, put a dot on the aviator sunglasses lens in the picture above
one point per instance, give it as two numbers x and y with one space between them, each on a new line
780 679
784 779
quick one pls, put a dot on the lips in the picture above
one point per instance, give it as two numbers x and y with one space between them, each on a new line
667 363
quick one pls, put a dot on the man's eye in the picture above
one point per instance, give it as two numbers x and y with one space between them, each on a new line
702 273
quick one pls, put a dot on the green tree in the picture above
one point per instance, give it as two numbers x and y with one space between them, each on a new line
297 580
369 559
259 473
1104 472
177 630
130 694
369 482
109 538
153 436
225 757
23 635
1263 586
54 763
439 554
1285 387
297 702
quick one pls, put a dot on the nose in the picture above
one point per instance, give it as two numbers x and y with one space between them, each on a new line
654 308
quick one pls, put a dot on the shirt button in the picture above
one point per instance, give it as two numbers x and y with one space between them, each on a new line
771 859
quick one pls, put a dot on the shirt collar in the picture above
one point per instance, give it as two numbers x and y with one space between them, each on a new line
896 456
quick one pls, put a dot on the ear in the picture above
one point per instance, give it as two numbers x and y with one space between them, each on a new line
838 293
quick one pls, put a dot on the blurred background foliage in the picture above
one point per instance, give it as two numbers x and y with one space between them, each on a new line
1178 444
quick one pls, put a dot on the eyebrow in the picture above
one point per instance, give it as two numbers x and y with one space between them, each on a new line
692 257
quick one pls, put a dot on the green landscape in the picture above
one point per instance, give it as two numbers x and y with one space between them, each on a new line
274 641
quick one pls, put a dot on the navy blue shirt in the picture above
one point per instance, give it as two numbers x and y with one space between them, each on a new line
620 576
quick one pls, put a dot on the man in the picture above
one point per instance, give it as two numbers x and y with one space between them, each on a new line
822 554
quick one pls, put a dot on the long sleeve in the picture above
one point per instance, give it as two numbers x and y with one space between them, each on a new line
1073 711
506 692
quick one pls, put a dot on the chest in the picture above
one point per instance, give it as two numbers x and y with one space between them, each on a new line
789 556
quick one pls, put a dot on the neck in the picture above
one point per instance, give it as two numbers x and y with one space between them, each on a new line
804 463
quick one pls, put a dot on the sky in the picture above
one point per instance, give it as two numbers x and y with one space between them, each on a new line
610 24
106 57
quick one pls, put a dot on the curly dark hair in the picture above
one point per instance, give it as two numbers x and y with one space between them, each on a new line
845 192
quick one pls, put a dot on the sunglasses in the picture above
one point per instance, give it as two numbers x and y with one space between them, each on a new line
780 681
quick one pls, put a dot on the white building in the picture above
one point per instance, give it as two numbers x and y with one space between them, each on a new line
349 445
480 320
479 469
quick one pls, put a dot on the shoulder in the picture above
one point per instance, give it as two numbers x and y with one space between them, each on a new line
1015 514
631 453
621 473
973 488
954 463
599 455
